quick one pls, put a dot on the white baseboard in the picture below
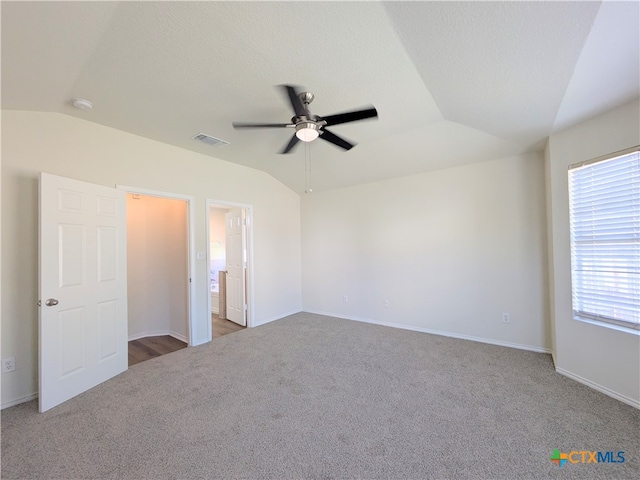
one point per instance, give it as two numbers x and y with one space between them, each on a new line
159 333
461 336
18 401
153 333
257 323
179 336
600 388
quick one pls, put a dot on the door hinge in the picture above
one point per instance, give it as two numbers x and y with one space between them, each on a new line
246 307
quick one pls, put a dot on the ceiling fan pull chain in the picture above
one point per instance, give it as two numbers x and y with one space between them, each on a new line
307 168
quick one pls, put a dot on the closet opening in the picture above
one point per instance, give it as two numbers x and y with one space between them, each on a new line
158 275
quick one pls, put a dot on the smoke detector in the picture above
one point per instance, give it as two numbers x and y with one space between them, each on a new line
82 104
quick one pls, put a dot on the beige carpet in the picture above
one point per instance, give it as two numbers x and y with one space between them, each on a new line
317 397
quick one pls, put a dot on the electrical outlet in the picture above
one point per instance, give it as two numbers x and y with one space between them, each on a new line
386 303
345 299
505 318
8 364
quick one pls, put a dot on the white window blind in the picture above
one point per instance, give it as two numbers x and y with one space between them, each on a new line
604 203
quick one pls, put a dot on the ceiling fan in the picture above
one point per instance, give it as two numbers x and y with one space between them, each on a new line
309 126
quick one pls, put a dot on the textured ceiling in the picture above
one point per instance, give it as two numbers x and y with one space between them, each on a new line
453 82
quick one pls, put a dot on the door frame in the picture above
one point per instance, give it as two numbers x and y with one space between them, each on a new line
249 296
191 251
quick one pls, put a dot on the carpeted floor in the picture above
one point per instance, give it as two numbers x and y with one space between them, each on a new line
317 397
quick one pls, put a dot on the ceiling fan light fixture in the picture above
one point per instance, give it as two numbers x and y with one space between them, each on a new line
307 131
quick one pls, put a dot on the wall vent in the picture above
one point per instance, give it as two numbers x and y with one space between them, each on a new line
209 140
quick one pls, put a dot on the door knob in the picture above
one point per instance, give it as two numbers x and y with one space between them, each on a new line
51 302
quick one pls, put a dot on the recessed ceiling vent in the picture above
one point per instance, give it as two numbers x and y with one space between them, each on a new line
209 140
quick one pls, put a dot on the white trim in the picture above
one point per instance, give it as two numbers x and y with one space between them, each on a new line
623 398
18 401
248 209
153 333
605 324
277 317
179 336
158 333
607 156
461 336
191 253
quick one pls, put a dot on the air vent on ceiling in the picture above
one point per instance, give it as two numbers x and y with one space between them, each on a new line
209 140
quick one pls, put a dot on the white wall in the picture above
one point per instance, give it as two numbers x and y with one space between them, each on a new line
602 357
157 272
451 250
217 237
67 146
216 225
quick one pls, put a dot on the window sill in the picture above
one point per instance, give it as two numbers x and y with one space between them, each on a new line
611 326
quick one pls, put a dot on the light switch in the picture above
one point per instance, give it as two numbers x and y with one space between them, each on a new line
202 255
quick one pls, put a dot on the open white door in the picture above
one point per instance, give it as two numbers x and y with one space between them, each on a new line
235 252
83 287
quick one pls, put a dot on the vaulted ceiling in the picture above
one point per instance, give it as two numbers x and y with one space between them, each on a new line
453 82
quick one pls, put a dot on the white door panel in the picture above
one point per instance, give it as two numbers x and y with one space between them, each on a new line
235 253
83 337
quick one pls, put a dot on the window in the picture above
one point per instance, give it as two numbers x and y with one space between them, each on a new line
604 204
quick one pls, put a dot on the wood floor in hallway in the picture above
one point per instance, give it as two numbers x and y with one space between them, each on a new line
222 327
147 348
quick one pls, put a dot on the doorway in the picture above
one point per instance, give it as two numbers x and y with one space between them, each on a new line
229 261
157 276
160 262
